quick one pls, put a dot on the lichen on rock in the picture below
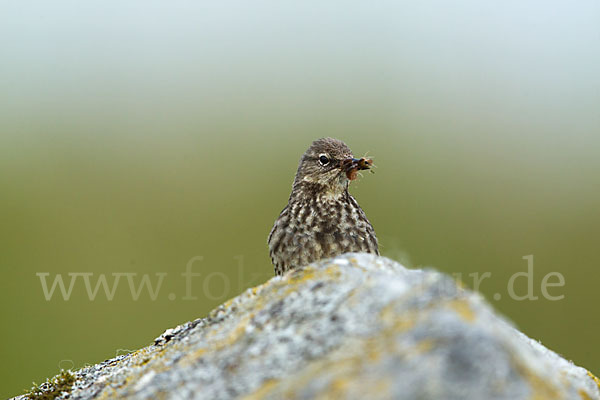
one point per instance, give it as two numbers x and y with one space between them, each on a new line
58 386
356 326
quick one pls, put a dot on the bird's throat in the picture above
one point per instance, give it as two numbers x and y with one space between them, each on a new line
321 192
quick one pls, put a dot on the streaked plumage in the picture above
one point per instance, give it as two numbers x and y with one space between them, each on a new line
321 218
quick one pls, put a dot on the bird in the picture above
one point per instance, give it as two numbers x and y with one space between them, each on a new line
321 219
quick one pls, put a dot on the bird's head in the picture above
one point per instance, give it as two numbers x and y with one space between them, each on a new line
326 168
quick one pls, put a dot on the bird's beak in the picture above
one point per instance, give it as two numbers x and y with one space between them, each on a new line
351 166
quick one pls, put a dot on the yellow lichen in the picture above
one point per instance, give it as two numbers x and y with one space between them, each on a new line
228 303
302 276
373 351
462 308
424 345
262 391
235 334
595 379
338 388
197 354
541 388
298 277
333 270
459 282
398 323
107 393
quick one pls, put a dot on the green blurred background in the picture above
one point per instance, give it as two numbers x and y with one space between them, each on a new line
136 135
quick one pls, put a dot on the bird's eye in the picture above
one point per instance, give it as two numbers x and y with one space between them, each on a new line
323 159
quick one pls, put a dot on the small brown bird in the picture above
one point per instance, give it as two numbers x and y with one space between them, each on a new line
321 218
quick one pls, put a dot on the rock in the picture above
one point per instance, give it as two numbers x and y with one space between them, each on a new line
357 326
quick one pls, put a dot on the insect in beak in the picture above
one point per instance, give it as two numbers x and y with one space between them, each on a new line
352 165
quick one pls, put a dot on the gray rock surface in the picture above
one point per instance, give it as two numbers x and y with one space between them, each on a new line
357 326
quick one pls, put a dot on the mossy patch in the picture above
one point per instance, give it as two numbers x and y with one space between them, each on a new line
52 388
